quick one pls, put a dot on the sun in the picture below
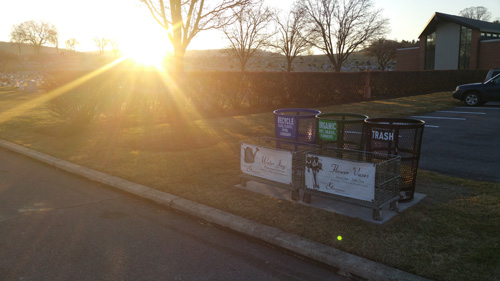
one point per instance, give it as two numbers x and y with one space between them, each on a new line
147 54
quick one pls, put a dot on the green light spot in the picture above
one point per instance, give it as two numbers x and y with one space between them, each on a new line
339 237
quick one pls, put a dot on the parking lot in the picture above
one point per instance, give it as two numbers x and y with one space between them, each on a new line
463 142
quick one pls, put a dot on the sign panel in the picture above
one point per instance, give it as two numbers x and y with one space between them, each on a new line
285 126
382 134
340 177
271 164
327 130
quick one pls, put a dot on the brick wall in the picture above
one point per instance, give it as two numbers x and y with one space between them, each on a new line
489 54
475 51
422 41
407 59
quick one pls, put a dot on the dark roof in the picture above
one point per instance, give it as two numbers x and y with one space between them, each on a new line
482 26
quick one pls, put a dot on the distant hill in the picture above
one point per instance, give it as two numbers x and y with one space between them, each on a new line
26 49
195 60
7 47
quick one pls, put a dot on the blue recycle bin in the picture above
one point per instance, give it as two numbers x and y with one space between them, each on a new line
296 124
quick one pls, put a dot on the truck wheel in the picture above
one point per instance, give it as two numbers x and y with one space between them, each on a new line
472 99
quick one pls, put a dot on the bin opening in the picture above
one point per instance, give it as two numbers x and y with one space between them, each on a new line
297 124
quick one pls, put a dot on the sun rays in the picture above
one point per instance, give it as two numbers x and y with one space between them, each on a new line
21 109
169 89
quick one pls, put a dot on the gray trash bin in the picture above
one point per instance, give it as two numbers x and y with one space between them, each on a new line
397 136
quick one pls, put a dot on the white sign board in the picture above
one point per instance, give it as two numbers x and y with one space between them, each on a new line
341 177
271 164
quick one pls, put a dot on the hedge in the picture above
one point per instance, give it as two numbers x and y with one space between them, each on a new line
218 92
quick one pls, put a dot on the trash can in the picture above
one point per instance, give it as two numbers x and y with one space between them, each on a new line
341 130
297 124
397 136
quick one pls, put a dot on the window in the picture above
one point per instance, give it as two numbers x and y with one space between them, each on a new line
430 50
486 36
464 49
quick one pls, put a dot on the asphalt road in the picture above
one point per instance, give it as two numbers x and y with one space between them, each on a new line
463 142
56 226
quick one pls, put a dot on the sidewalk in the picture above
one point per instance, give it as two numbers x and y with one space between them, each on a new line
348 264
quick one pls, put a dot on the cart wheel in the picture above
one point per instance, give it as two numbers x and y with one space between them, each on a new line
295 195
307 198
395 206
377 215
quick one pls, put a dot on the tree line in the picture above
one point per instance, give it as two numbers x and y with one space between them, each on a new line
42 33
337 28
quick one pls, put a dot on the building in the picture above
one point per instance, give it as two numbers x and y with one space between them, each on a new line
451 42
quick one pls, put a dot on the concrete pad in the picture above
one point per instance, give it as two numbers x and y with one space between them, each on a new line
330 205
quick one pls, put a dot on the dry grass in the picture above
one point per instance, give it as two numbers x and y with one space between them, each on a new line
451 235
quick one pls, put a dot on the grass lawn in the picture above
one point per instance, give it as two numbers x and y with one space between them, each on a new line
452 234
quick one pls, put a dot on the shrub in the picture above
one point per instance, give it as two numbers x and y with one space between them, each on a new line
79 106
266 89
155 96
213 92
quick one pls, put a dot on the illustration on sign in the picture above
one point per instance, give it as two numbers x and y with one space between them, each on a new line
249 154
340 177
327 130
285 126
271 164
313 165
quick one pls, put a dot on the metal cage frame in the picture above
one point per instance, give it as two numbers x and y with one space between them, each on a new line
387 179
298 150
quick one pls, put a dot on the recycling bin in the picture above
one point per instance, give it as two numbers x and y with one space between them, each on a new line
341 130
296 124
397 136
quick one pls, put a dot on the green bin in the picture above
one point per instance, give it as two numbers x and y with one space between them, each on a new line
341 130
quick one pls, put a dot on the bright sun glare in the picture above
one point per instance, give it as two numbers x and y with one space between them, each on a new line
147 55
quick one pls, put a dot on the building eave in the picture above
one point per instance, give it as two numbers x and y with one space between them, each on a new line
469 23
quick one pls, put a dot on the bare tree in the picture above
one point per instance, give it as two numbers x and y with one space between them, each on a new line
114 46
184 19
293 38
343 26
249 32
477 13
71 44
17 37
55 41
384 50
36 33
101 43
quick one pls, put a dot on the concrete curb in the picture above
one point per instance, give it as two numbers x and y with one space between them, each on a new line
348 264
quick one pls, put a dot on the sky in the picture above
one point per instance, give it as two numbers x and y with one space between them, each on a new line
129 22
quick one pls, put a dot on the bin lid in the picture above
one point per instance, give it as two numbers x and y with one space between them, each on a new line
342 116
395 122
296 111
